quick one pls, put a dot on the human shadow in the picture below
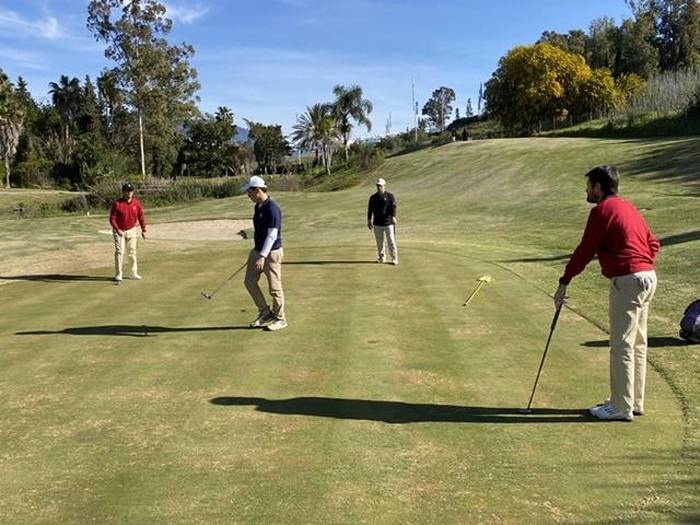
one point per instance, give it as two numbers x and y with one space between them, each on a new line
539 259
54 277
397 412
301 263
130 330
652 342
680 238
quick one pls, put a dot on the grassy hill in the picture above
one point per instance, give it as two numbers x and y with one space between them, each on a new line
384 401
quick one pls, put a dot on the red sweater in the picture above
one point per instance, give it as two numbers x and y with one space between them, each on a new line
618 234
125 214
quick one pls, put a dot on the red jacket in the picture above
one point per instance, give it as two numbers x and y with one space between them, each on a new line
618 234
125 214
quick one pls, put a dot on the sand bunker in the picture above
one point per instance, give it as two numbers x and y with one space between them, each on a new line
205 230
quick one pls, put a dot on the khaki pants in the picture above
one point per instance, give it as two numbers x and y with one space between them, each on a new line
630 297
386 231
273 272
126 240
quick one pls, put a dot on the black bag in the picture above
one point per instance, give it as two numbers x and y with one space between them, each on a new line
690 324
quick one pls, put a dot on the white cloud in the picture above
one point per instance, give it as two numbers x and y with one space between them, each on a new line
293 3
184 13
14 24
248 80
23 58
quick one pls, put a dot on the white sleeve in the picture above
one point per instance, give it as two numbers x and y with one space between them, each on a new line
269 241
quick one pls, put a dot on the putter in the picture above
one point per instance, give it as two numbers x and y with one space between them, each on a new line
210 295
528 410
481 280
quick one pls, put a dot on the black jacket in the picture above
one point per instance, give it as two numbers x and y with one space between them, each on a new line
382 207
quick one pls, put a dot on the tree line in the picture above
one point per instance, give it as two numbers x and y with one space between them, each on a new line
140 116
583 75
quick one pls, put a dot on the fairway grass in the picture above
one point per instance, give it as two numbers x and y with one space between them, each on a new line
385 400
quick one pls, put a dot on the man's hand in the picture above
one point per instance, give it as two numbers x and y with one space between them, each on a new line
560 296
393 221
260 264
369 225
120 233
143 235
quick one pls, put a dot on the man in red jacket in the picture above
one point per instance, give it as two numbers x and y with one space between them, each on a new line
626 248
126 212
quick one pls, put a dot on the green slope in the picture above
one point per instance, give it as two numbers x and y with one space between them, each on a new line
385 401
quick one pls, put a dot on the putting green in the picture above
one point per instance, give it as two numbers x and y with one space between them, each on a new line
384 400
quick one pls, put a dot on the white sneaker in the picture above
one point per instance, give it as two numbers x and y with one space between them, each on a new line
635 412
135 277
380 260
394 262
610 413
117 278
605 403
277 324
263 319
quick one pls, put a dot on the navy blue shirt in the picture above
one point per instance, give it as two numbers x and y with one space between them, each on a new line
383 207
267 215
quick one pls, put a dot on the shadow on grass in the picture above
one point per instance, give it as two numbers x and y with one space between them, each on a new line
53 278
397 412
680 238
652 342
130 330
669 240
669 161
539 259
327 262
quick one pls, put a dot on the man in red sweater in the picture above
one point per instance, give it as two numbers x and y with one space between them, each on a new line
626 248
126 212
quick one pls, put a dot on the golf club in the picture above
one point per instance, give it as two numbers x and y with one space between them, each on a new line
481 280
528 410
210 295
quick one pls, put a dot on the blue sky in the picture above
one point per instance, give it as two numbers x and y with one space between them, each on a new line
268 59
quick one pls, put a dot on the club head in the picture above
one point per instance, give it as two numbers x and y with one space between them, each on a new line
524 411
485 279
206 295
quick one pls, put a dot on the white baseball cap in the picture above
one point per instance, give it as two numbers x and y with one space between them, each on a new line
254 182
381 182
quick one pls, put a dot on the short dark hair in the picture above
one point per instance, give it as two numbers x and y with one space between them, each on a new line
128 187
607 177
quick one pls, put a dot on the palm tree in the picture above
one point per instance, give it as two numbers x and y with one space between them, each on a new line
316 130
349 105
66 96
11 120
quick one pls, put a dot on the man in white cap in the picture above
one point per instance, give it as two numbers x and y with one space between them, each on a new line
265 257
381 215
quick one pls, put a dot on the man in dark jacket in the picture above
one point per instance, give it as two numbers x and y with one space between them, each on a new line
626 248
381 215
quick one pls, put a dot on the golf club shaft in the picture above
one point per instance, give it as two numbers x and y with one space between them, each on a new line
228 279
478 286
544 355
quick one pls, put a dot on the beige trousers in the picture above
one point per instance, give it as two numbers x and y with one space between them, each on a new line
273 272
128 241
386 231
630 297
